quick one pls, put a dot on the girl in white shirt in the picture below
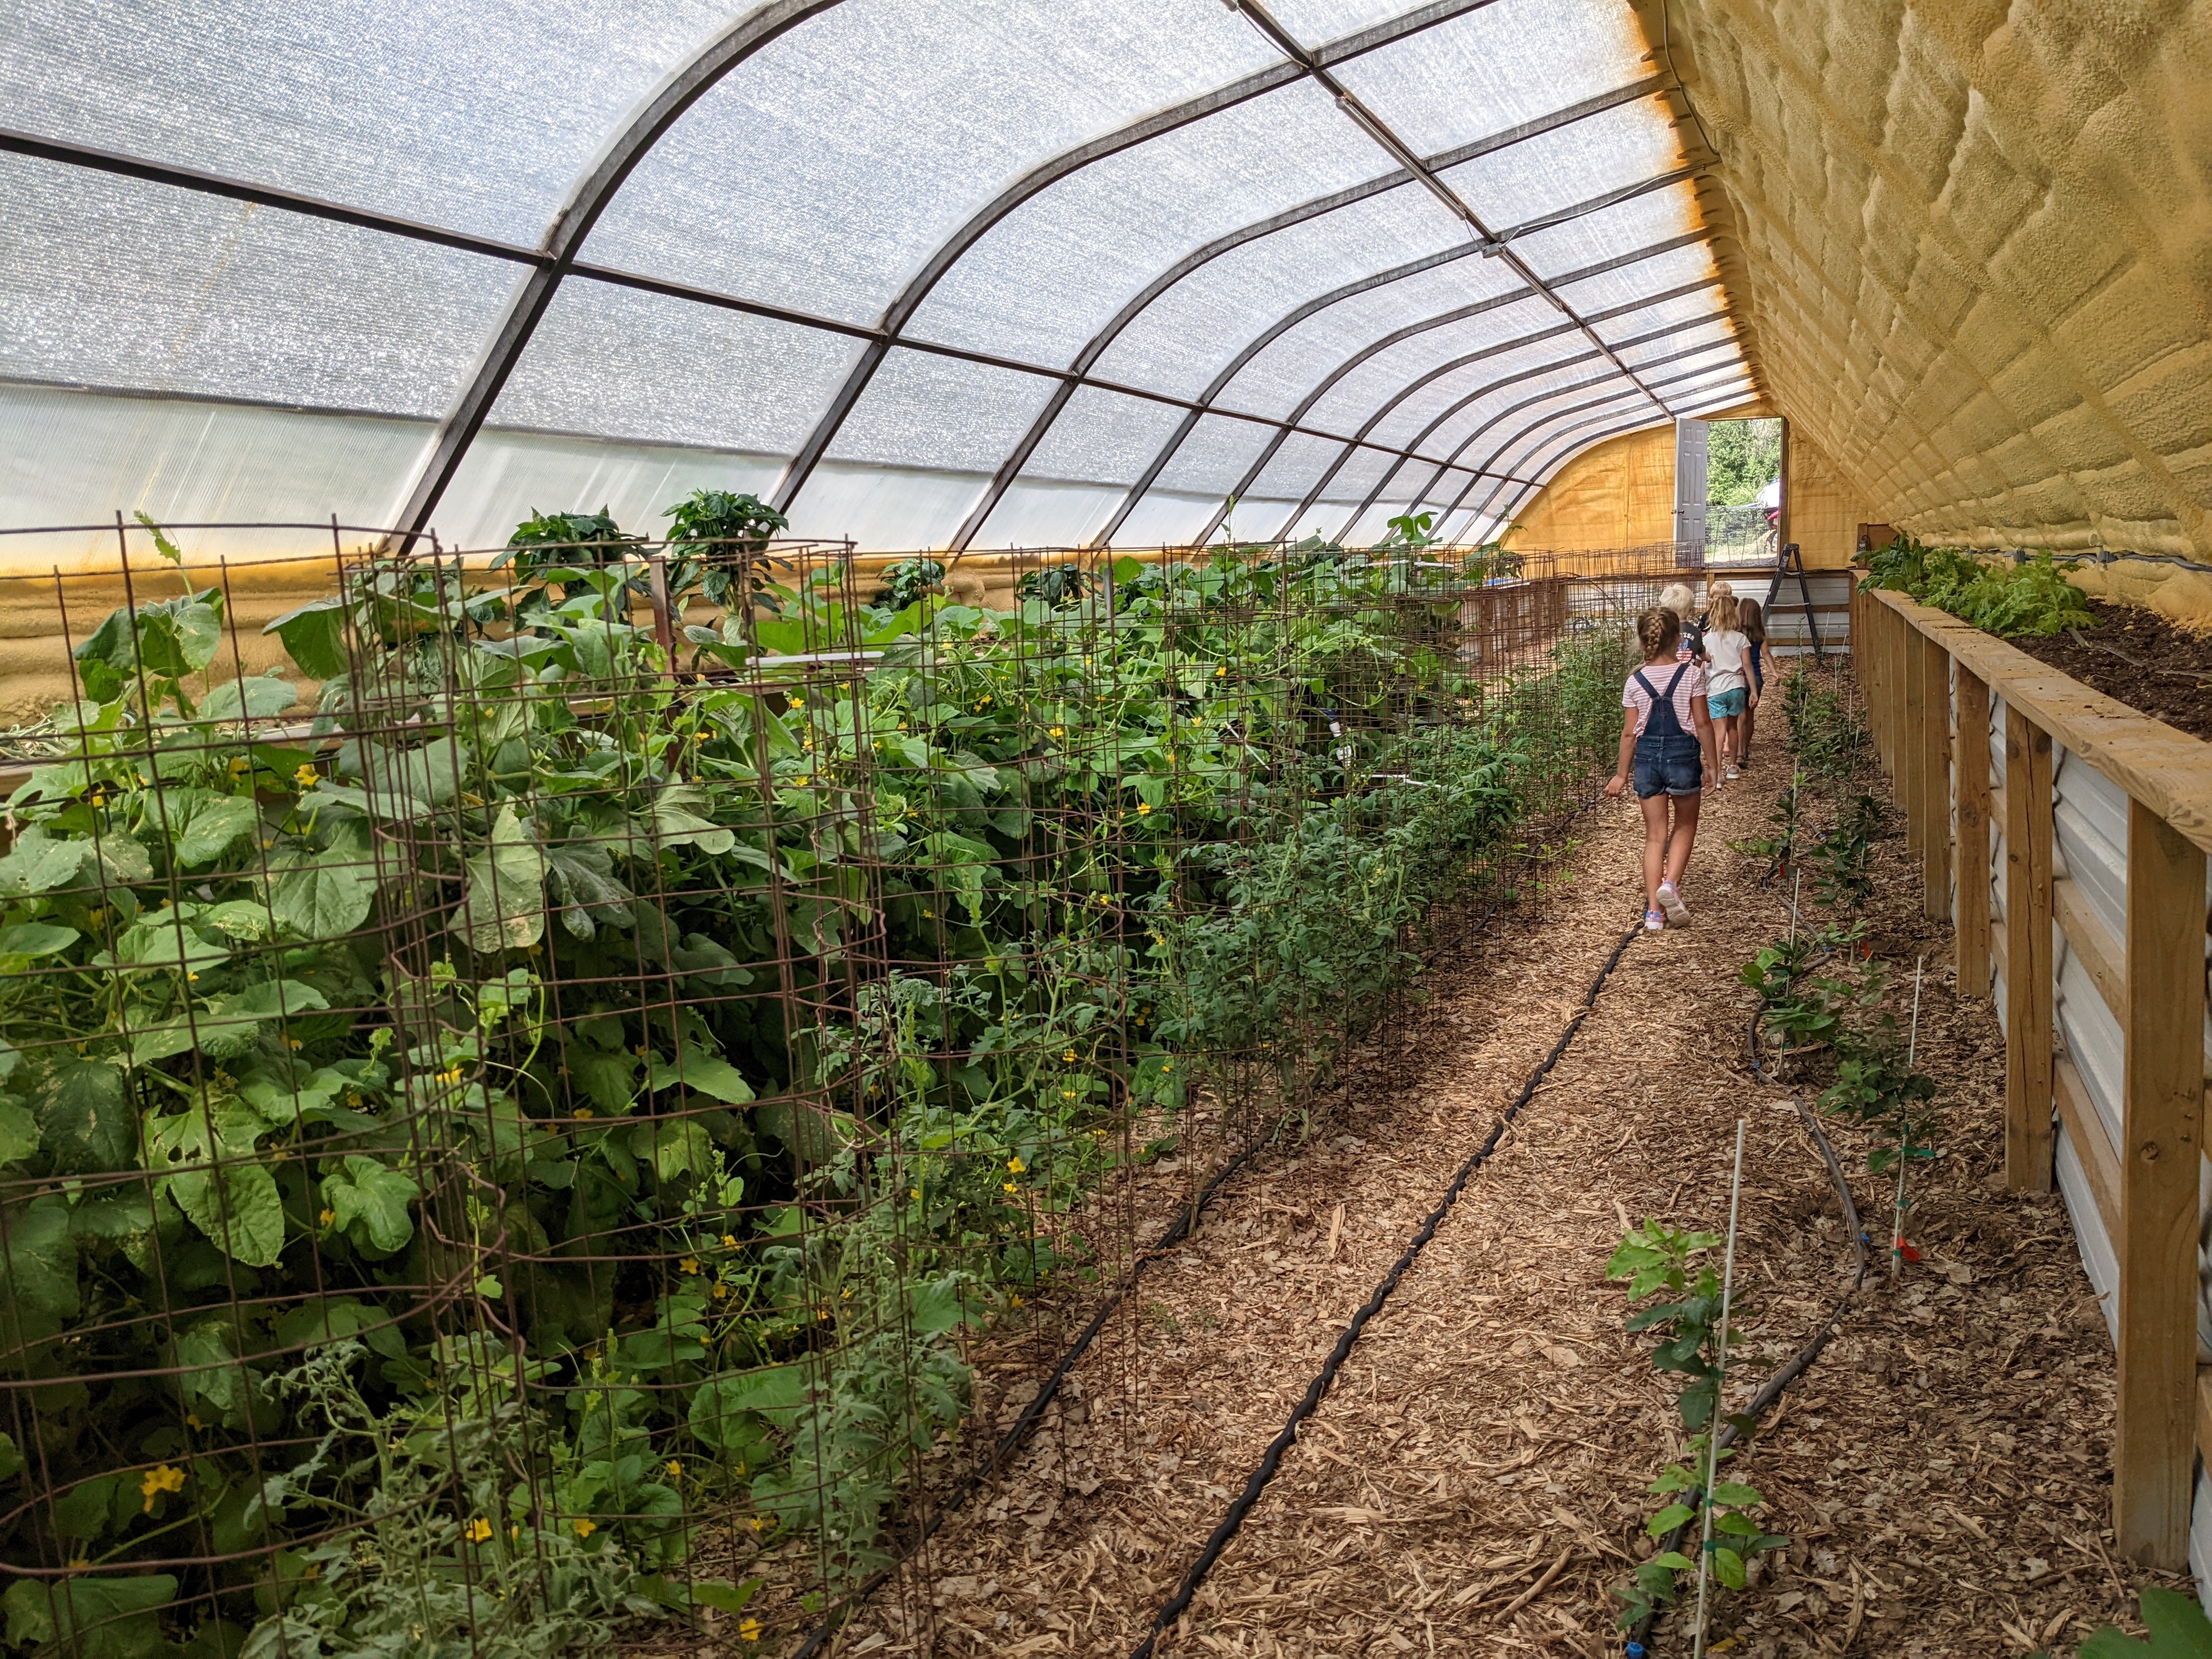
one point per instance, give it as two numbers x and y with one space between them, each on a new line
1729 689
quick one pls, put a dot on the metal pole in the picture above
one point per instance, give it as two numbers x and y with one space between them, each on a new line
1712 1427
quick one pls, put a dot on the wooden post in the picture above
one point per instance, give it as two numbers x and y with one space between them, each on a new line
1970 758
1935 755
2153 1433
1910 732
2027 955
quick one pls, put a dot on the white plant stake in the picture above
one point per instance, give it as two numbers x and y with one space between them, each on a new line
1911 1054
1720 1363
1796 885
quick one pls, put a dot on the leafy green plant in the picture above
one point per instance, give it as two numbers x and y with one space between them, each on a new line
2178 1626
1786 821
909 582
2030 598
1659 1260
719 541
1058 585
1842 859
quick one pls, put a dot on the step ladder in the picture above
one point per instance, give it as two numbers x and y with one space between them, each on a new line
1788 562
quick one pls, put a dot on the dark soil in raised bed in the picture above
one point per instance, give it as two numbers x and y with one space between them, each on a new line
2165 671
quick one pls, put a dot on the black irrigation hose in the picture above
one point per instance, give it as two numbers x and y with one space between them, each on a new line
1798 1364
1318 1388
1011 1441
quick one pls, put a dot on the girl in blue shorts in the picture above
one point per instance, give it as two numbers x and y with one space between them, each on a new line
1666 744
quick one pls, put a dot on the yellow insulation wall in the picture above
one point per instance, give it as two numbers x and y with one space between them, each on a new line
1970 248
1620 493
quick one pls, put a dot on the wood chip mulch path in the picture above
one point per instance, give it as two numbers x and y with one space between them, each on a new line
1475 1482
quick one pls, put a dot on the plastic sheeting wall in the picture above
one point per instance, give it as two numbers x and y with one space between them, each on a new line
1969 241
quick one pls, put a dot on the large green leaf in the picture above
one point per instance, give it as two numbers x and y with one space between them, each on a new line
314 637
238 1207
36 938
678 820
368 1202
728 1412
90 1617
260 697
503 906
695 1068
38 1260
19 1133
325 893
85 1115
40 863
204 825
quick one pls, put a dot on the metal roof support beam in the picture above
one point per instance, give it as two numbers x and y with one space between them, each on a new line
1311 308
901 308
1630 425
1199 257
1380 132
1384 483
587 201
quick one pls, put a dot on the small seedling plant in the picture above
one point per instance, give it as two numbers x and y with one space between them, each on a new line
1843 859
1663 1261
1786 823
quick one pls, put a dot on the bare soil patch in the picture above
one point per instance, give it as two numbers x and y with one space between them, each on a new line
2138 658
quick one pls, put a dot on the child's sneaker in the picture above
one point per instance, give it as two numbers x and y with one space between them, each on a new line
1671 903
1653 922
1730 774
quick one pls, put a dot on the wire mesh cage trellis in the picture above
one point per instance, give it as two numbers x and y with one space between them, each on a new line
556 1132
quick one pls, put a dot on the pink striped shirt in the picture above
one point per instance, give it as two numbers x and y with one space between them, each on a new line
1691 685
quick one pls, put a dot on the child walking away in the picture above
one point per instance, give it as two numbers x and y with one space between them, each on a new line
1667 741
1729 692
1753 621
1690 641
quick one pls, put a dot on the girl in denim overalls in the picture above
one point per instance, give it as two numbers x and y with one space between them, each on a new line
1670 763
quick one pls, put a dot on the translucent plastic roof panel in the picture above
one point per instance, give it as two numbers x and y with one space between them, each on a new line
1188 335
1048 513
1494 68
479 118
1317 22
1410 407
1292 470
1363 469
1044 279
110 283
1215 456
1643 220
1709 331
824 173
1701 309
1348 404
925 410
1500 411
614 362
1614 150
1292 364
1633 286
1103 436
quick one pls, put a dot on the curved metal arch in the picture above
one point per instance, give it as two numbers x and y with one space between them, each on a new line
1538 426
1291 319
1096 347
1451 461
1740 367
1529 433
909 298
1412 449
1491 424
587 199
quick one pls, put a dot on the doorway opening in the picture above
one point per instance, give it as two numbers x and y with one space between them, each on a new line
1743 491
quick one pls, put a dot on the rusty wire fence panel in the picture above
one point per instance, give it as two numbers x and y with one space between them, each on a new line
538 1139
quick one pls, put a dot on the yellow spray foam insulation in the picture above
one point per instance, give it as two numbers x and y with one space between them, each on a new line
1968 246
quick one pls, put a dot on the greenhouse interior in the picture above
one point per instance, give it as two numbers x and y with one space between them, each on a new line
1132 828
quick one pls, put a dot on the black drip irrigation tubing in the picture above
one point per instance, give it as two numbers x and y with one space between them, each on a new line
1011 1441
1797 1364
1256 1483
